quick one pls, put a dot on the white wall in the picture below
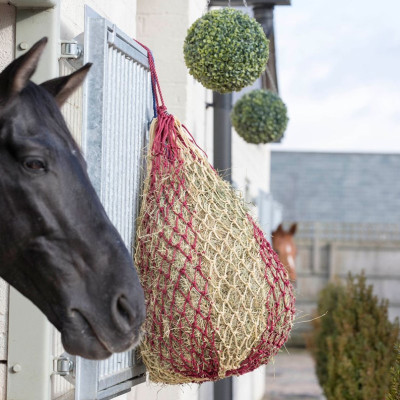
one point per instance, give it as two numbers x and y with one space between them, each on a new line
162 26
121 12
7 33
251 163
196 93
150 391
250 174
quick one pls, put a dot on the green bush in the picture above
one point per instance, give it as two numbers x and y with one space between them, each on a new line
394 392
353 343
260 117
226 50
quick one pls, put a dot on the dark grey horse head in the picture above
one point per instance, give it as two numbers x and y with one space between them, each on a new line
57 245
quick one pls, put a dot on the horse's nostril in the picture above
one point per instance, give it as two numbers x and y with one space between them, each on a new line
122 309
123 313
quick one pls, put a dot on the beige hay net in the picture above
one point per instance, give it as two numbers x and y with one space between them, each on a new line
219 302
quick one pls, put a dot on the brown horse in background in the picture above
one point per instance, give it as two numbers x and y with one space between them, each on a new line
284 245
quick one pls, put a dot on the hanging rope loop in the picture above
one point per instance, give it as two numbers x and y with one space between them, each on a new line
158 99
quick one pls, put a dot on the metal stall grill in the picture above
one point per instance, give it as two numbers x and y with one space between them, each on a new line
123 138
117 113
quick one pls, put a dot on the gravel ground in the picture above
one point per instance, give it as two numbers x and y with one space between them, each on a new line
292 377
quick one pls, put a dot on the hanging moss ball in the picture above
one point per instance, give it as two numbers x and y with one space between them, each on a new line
226 50
260 117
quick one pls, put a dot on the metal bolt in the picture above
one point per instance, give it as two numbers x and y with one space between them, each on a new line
23 46
16 368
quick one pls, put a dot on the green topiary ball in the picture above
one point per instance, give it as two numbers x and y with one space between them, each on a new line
226 50
260 117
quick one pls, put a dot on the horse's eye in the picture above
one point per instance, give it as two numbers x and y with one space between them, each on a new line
34 165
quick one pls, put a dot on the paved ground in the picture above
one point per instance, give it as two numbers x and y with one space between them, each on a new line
292 377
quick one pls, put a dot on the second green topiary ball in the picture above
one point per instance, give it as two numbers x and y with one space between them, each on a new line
260 117
226 50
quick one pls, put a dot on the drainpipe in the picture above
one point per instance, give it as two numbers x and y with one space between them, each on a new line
264 15
222 103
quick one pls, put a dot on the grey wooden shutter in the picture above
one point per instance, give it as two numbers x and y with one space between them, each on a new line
116 115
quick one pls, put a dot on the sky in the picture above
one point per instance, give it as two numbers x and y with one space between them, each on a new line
339 74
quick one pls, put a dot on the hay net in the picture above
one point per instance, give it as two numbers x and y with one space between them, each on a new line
219 302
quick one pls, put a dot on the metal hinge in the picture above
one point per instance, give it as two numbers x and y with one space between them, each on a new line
70 49
64 365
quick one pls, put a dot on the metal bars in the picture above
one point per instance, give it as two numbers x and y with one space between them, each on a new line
126 87
117 113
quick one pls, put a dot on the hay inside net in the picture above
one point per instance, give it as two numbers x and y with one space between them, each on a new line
219 302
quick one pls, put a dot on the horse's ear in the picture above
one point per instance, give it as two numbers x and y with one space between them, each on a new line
279 229
61 88
293 229
16 76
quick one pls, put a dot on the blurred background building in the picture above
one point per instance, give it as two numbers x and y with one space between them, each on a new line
347 206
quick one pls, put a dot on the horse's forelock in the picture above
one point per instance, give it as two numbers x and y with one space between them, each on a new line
42 105
45 110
